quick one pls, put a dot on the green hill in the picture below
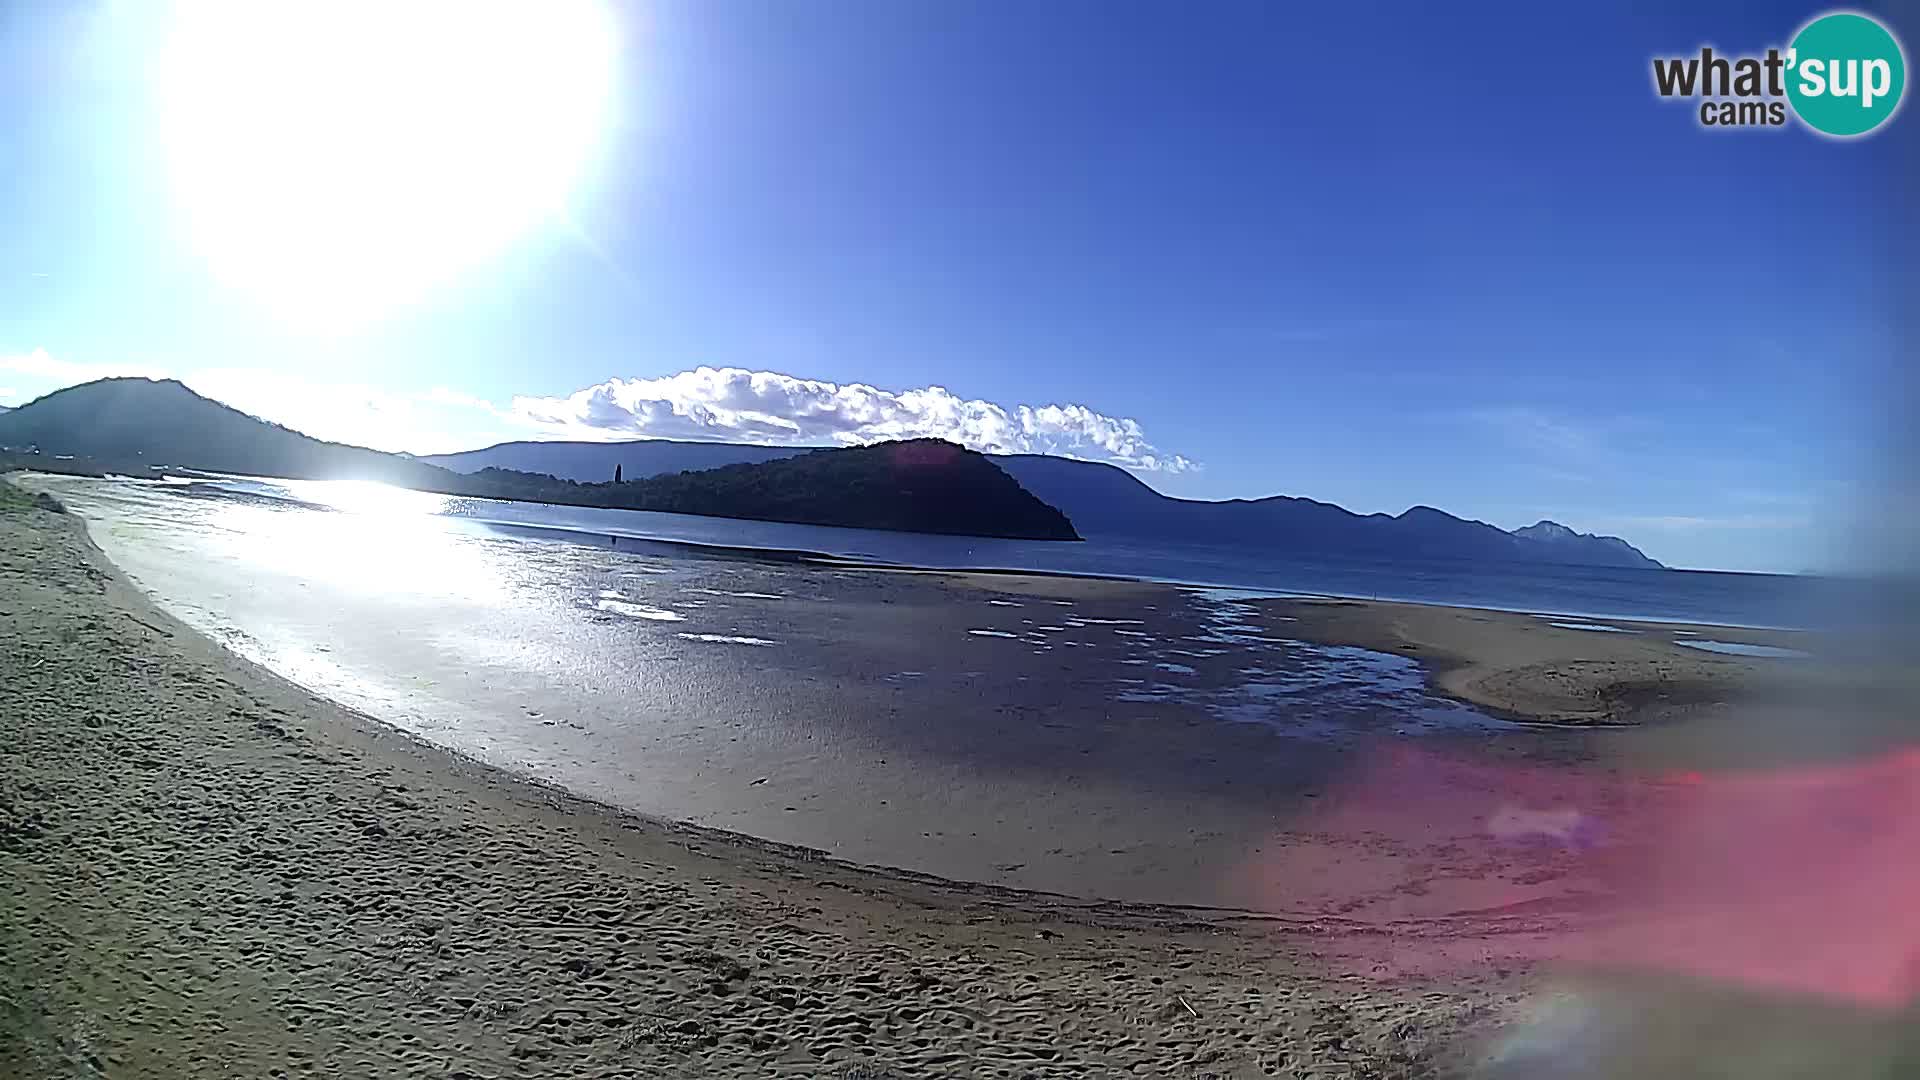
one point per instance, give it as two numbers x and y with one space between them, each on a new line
923 485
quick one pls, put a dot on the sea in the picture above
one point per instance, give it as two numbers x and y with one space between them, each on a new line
1760 601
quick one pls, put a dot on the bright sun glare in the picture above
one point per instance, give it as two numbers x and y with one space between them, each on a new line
338 157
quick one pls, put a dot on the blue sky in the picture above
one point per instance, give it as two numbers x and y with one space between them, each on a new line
1378 254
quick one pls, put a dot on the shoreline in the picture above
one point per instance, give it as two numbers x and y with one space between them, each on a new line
1521 667
1122 912
1176 737
1506 661
318 874
216 872
1258 595
689 834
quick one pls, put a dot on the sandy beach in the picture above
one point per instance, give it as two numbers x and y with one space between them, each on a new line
214 872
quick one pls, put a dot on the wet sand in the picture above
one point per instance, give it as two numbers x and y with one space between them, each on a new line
1554 669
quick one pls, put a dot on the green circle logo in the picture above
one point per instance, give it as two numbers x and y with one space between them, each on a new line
1845 74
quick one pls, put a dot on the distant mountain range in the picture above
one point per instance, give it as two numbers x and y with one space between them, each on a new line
140 426
1105 500
129 425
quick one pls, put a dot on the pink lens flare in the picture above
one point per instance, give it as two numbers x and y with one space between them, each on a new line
1802 880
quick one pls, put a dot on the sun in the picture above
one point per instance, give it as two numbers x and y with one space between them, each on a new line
338 157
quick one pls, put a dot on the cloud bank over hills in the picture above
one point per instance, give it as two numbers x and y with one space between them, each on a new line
769 407
709 404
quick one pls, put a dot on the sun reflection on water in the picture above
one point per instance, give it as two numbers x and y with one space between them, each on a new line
383 540
367 497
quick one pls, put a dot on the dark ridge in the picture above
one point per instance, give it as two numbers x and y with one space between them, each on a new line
142 427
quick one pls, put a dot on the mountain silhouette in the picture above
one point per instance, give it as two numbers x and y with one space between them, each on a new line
1107 501
133 424
920 485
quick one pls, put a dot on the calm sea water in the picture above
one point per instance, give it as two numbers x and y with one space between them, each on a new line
1755 600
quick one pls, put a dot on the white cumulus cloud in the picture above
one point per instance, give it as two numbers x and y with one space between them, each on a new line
733 404
714 404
